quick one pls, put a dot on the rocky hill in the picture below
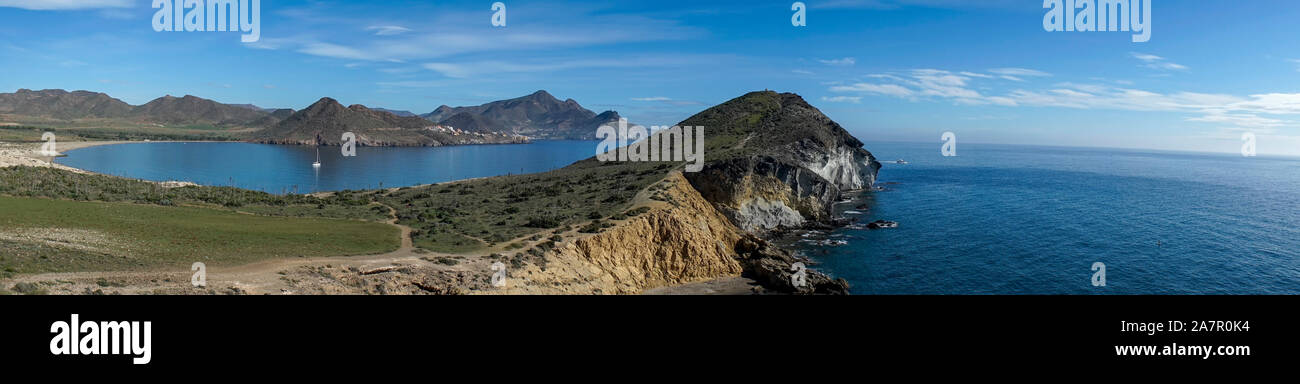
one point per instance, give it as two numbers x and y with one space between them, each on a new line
60 104
774 161
330 119
195 110
539 116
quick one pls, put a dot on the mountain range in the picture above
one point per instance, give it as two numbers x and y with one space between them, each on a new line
539 115
536 116
329 120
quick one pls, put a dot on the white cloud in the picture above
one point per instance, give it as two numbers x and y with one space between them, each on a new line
462 70
1018 74
656 98
1257 111
1157 62
388 30
453 37
882 89
844 62
62 5
898 4
336 51
1147 57
842 99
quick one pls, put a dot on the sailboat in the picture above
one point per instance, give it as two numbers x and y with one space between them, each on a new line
317 163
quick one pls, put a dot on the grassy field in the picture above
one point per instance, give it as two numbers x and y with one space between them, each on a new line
59 184
475 214
43 235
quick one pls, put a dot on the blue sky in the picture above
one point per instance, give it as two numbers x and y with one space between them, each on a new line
885 69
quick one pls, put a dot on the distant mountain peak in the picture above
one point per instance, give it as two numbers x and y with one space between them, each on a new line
537 115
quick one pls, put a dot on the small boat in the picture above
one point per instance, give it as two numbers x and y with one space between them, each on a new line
900 161
317 163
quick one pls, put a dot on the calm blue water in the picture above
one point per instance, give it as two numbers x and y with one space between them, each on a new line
1017 220
282 168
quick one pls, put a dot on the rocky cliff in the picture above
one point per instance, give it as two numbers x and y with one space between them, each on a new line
673 243
771 161
683 240
775 161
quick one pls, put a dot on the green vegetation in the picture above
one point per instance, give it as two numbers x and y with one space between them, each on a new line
472 215
117 133
43 235
60 184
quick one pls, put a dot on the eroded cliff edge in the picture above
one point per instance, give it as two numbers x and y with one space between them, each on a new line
772 161
779 162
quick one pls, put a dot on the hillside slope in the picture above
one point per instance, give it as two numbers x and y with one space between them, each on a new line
538 115
330 120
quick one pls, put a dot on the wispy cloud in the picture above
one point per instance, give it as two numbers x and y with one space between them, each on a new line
388 30
453 35
842 99
1256 111
844 62
1157 62
667 101
468 69
1018 74
62 5
897 4
880 89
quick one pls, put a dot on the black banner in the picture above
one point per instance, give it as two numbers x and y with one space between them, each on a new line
189 333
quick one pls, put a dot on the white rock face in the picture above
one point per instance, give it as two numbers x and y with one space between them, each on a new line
762 213
844 168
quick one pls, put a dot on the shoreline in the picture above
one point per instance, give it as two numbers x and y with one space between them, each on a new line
28 155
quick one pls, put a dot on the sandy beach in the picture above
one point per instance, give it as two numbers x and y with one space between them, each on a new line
28 154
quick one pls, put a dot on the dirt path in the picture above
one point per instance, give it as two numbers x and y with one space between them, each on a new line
273 276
